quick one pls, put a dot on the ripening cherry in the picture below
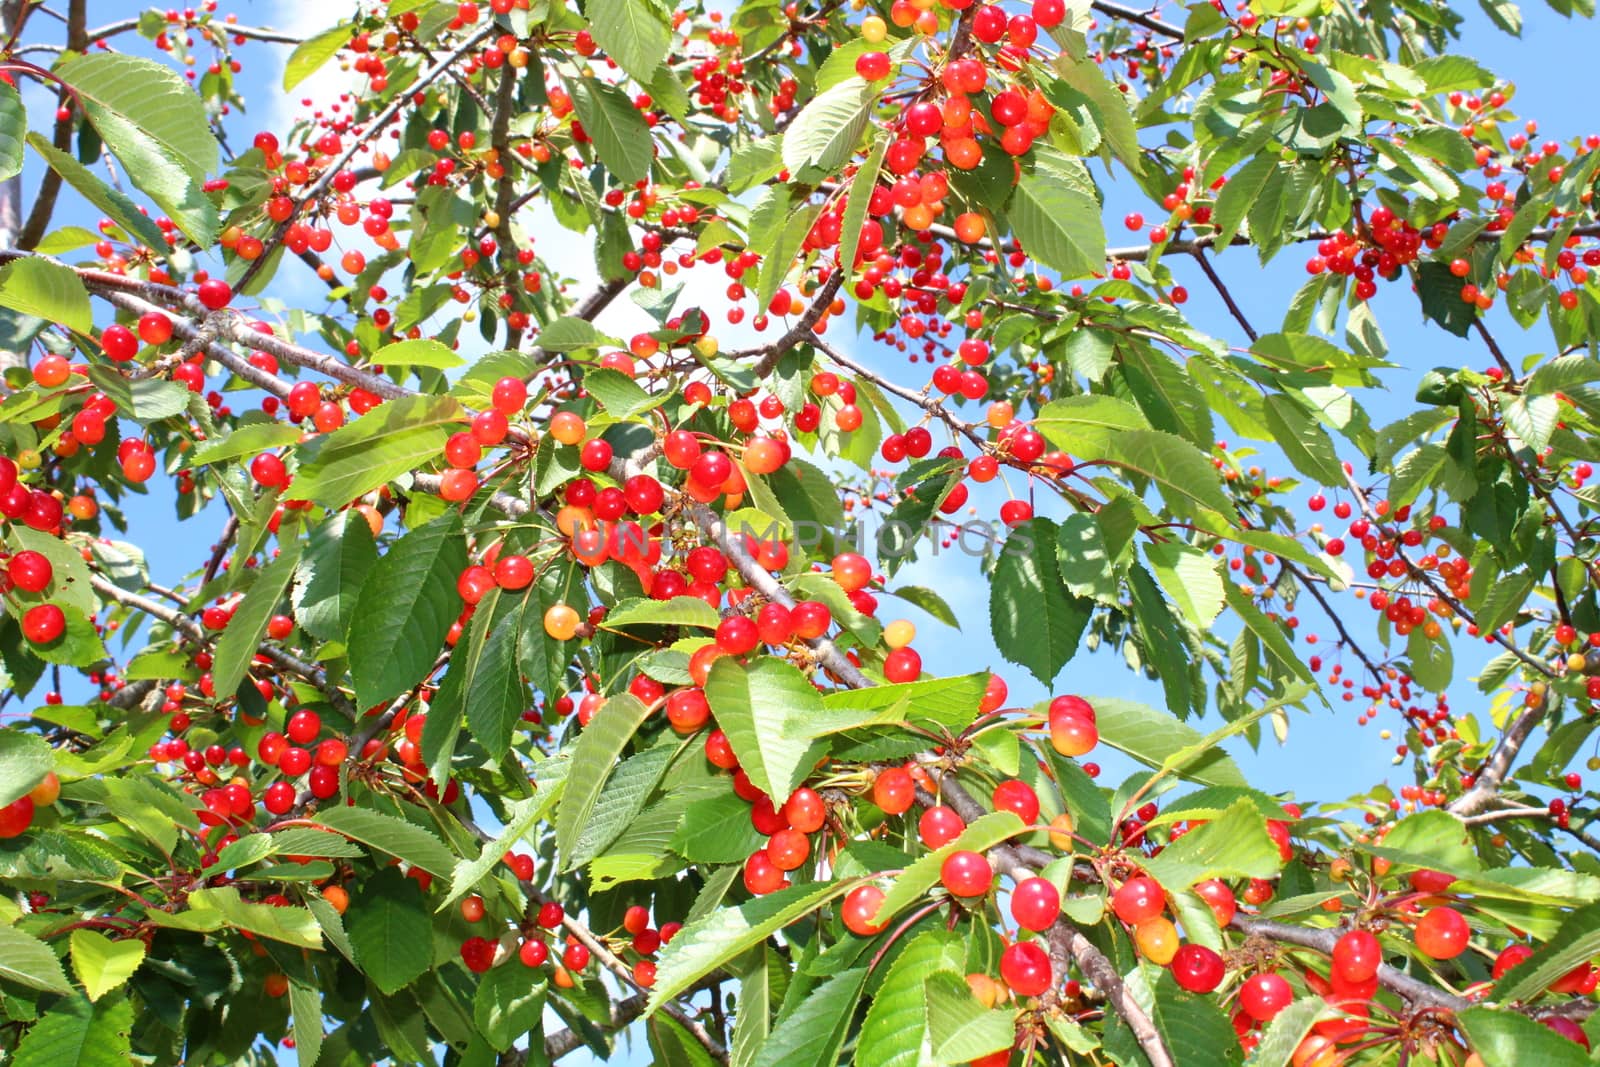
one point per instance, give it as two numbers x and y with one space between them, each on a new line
278 797
1035 904
939 825
215 293
155 328
1197 969
894 790
1263 996
1442 933
303 727
561 622
268 470
1072 734
1025 967
1509 957
687 710
873 66
533 953
775 624
1157 940
1219 898
1356 955
513 572
1138 899
966 873
761 875
1426 881
851 571
859 908
51 371
509 396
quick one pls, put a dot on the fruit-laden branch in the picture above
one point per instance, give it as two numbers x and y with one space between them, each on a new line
195 633
1064 936
1418 993
1138 18
801 330
264 34
370 129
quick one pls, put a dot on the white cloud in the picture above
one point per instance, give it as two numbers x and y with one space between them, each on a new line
304 19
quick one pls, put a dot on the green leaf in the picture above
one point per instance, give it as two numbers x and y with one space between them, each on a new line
716 831
24 761
1270 632
13 131
623 798
495 695
825 133
82 1034
1059 225
311 54
593 756
619 395
524 814
328 579
389 833
418 352
959 1028
569 333
1576 941
1236 845
292 926
895 1032
46 290
620 135
1510 1039
810 1036
156 125
1037 622
1152 737
755 706
920 596
392 439
102 964
679 611
407 606
855 212
390 931
246 440
1237 196
237 646
1190 577
632 32
1307 445
117 206
28 961
1287 1029
305 1004
713 940
509 1004
913 882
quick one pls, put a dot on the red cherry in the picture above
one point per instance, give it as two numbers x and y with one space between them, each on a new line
1035 904
215 293
1356 955
894 790
1263 996
1138 899
939 826
1017 796
1442 933
119 343
737 635
1197 969
43 624
966 873
1025 967
859 907
16 817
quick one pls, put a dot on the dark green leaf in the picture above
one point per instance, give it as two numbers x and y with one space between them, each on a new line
390 931
1037 622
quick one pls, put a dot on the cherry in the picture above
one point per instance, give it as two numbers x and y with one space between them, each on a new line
1509 957
966 873
805 810
894 791
1356 955
737 635
1019 797
902 665
215 294
1138 899
860 907
1442 933
1025 967
533 953
1035 904
31 571
1263 996
939 826
16 817
43 624
1197 969
119 343
1157 940
155 328
278 797
761 875
873 66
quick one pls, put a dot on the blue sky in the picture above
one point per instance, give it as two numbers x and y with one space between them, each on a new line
1326 755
